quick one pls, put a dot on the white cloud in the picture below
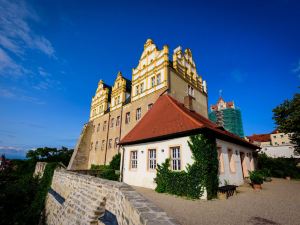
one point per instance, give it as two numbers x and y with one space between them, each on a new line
238 76
15 94
296 70
11 148
16 34
9 67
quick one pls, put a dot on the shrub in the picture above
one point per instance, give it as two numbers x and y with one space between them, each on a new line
203 173
278 167
109 174
115 162
109 171
256 177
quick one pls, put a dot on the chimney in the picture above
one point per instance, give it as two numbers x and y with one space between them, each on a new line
188 102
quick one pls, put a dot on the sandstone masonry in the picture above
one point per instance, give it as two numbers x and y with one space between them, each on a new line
86 198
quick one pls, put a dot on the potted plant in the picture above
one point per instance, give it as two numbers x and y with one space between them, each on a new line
256 179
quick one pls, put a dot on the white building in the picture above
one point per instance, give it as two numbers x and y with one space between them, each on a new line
275 144
164 133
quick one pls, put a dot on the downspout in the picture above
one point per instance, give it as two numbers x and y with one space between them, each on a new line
122 164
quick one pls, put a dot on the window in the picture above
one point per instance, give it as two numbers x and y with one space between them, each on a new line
112 122
116 142
152 159
109 143
276 143
118 121
138 113
283 142
175 158
104 125
98 127
133 159
119 99
127 118
281 135
231 161
137 90
190 90
91 147
221 161
274 136
150 106
152 81
103 144
158 79
96 145
142 87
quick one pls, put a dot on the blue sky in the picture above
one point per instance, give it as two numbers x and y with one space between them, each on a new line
53 53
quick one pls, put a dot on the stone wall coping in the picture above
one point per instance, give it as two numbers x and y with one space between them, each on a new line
147 212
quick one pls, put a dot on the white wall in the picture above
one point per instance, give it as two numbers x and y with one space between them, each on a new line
143 177
286 151
236 177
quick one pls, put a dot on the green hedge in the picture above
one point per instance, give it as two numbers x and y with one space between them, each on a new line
109 171
278 167
203 173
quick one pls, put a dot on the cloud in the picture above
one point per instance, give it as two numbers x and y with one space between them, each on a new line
11 148
15 94
238 76
16 34
8 66
296 70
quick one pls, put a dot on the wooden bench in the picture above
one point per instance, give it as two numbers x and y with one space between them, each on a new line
226 191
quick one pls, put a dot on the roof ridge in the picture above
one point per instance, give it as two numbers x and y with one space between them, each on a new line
180 109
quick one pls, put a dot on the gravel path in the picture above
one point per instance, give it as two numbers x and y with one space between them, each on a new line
277 203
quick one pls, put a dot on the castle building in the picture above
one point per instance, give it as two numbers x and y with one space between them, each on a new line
116 110
226 115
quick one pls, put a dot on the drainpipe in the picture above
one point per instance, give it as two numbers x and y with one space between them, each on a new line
122 164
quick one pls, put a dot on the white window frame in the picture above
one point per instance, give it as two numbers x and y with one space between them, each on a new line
133 159
127 118
138 113
175 158
152 159
158 79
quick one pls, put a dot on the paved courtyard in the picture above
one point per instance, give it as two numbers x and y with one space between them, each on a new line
277 203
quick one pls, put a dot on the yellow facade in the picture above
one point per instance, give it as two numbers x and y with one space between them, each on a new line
100 102
111 107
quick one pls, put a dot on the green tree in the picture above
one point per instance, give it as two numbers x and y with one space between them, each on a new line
47 154
287 118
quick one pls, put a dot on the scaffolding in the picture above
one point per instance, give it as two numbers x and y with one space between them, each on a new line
230 119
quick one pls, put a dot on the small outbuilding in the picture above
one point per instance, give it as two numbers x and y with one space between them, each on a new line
164 133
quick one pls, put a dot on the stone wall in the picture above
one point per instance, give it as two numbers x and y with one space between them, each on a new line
39 169
82 199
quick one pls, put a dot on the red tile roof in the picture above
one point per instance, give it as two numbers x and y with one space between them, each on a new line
168 119
259 138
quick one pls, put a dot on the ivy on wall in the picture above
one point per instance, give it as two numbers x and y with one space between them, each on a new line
202 174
